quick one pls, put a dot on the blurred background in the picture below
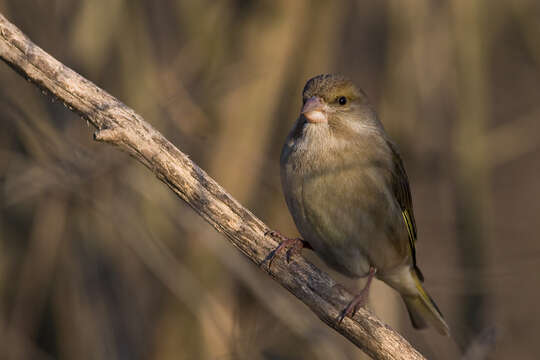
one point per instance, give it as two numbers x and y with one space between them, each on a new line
99 260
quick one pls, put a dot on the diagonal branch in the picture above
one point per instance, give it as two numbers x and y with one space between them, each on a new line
119 125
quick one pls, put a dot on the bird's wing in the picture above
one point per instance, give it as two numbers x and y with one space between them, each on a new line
402 193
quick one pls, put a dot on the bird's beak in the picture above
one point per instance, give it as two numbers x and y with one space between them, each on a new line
315 110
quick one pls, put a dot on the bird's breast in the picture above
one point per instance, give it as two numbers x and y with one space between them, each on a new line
340 202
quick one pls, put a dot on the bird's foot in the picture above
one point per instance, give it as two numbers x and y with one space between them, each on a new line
294 246
359 300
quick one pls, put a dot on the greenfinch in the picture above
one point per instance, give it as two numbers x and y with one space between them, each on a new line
347 190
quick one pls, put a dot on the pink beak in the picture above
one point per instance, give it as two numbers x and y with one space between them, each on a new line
315 110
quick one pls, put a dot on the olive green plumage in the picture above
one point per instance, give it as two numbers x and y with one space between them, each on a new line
348 192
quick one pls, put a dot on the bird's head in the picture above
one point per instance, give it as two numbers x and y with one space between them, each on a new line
335 101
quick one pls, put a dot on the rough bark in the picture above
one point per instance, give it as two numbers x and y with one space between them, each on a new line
120 126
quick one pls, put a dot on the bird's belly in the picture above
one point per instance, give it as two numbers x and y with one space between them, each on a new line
344 216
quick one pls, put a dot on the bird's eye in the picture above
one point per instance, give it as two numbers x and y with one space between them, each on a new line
342 100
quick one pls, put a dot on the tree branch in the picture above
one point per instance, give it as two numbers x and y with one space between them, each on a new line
120 126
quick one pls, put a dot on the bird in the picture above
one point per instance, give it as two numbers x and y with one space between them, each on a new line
346 187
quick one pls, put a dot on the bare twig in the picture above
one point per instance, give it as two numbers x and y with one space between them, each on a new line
119 125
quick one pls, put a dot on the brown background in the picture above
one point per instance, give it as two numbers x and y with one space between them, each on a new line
98 260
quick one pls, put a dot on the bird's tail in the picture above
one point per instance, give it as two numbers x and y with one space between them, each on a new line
422 309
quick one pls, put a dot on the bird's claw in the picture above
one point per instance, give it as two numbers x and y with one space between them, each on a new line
294 245
359 301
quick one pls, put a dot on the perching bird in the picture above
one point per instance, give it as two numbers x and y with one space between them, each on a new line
348 193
